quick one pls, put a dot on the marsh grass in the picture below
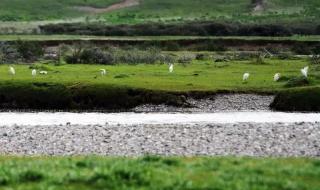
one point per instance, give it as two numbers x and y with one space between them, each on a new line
211 76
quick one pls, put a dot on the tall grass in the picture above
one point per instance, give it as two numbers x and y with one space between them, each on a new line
160 173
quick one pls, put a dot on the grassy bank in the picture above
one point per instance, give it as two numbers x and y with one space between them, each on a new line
49 96
159 173
298 100
125 86
314 38
196 76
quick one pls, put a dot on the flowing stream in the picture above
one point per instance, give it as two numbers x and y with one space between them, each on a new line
130 118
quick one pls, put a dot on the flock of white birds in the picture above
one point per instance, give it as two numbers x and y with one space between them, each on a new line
103 72
277 76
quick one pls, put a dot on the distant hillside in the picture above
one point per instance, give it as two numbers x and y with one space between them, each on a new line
141 11
26 10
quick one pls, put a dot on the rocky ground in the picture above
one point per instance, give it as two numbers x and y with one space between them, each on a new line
218 103
244 139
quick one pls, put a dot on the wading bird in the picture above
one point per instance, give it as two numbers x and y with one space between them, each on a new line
171 68
276 77
103 72
12 71
43 72
304 72
245 76
34 72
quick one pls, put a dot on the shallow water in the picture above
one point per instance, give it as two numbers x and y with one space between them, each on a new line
129 118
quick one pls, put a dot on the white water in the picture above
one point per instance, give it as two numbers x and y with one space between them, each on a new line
47 118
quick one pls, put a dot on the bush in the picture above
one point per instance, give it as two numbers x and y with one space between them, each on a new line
196 28
301 49
29 51
30 176
315 59
296 82
297 100
173 46
201 56
8 53
114 55
185 59
96 56
258 59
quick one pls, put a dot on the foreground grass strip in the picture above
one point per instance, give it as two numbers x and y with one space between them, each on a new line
151 38
152 172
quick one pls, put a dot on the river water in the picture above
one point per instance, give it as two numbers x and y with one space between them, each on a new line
131 118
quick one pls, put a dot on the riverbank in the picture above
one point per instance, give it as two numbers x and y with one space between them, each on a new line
81 87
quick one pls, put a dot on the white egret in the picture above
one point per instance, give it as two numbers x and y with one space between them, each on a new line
304 72
12 71
171 68
103 72
277 77
34 72
245 76
43 72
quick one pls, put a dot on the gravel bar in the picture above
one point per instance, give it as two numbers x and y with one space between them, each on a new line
242 139
217 103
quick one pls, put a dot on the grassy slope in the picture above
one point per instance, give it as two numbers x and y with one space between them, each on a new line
230 10
148 38
45 9
159 173
211 76
165 10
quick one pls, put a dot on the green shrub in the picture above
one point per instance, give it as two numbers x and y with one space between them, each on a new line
8 53
173 46
297 100
110 56
315 59
296 82
4 180
29 51
96 56
30 176
259 59
195 28
185 59
202 56
301 49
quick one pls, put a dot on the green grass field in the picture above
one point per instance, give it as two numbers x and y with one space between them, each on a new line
150 172
231 10
164 11
19 10
199 76
149 38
